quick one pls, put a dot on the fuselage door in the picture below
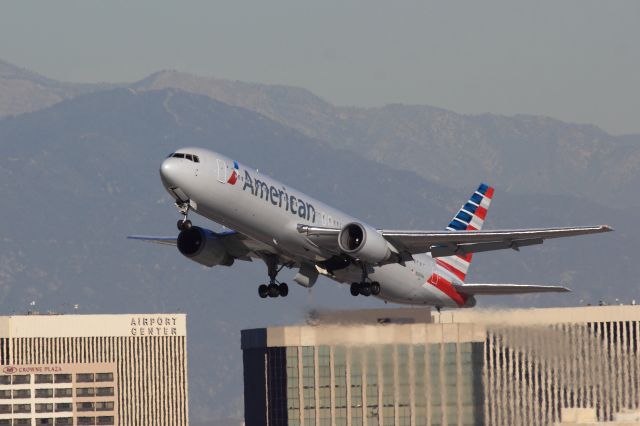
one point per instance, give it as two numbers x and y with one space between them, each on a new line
222 171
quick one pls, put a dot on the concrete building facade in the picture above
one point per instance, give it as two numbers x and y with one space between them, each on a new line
468 367
93 370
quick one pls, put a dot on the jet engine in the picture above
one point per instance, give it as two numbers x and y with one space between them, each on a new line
364 243
203 246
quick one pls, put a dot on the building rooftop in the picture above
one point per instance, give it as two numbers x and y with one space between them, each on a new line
118 325
412 325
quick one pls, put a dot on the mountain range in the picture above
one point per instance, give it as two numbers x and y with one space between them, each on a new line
79 173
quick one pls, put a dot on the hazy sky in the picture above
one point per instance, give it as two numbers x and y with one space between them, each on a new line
575 60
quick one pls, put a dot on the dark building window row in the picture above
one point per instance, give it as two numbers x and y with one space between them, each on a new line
15 408
90 377
25 379
88 392
50 393
95 406
59 421
100 420
40 393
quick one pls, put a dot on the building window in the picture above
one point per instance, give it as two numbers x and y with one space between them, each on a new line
63 378
44 408
86 421
21 422
104 391
21 393
104 406
340 383
5 422
84 377
63 392
44 378
5 380
324 384
64 421
62 407
5 408
44 393
21 379
84 392
372 387
85 406
21 408
5 394
105 420
48 421
355 367
293 390
104 377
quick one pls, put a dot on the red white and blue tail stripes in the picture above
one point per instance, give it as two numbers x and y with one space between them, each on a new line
470 217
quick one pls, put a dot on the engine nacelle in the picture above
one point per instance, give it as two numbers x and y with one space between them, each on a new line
364 242
203 246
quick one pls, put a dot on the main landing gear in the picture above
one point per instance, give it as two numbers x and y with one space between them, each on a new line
184 223
365 287
274 288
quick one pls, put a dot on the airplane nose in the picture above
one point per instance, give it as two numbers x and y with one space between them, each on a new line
168 172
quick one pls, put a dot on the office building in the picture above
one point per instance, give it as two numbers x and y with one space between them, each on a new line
465 367
93 370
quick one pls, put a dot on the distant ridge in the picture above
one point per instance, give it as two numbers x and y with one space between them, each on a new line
22 90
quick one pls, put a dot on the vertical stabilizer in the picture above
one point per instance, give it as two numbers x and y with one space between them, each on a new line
470 217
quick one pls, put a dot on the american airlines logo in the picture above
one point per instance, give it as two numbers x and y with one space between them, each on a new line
234 173
279 197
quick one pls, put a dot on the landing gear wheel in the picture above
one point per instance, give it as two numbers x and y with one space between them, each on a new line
355 289
283 289
273 290
365 289
184 225
263 291
375 288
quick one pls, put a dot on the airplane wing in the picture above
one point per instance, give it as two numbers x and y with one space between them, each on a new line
449 243
237 245
498 289
167 241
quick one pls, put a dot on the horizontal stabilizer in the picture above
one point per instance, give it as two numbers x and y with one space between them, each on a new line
497 289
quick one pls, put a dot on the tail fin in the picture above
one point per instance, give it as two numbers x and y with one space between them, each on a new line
470 217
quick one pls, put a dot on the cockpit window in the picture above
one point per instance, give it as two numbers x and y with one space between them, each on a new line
190 157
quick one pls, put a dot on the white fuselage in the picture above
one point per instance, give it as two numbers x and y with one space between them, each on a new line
270 212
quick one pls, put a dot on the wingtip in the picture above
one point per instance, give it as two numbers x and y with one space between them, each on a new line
607 228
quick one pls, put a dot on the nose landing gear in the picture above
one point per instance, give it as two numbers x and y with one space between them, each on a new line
184 223
274 288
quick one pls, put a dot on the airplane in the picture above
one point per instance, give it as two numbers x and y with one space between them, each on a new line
284 227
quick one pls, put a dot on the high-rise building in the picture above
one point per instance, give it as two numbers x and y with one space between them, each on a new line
93 370
466 367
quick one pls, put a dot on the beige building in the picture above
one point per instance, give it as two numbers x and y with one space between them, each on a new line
465 367
93 370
